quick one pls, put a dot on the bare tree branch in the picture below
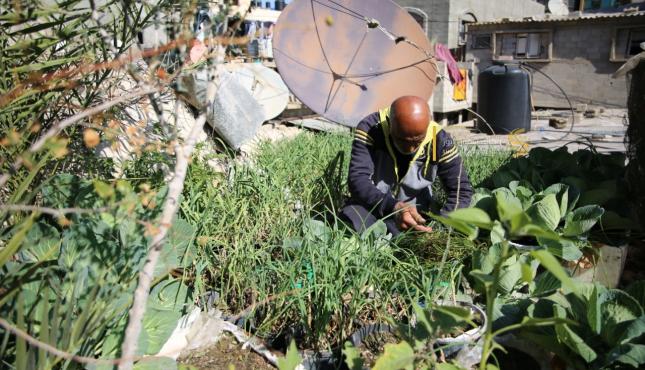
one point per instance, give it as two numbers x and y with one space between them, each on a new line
171 204
66 355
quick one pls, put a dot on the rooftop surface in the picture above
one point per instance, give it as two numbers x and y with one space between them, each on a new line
606 132
576 16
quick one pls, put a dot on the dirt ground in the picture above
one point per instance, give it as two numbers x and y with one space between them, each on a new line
606 131
225 354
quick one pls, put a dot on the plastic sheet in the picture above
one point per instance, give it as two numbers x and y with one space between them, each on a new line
233 112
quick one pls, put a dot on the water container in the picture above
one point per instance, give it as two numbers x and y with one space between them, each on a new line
504 99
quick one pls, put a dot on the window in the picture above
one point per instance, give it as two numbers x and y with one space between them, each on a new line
627 43
522 45
481 41
466 19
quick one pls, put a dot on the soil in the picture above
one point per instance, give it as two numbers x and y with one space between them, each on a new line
515 360
374 345
225 354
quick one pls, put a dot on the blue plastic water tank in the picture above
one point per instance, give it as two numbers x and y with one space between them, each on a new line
504 99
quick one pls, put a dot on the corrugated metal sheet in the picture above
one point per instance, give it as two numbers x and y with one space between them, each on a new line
571 18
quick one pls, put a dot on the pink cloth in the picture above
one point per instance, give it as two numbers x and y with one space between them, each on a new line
442 53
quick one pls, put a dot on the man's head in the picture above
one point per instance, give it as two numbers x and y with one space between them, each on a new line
409 120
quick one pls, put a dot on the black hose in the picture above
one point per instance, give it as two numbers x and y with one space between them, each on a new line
573 113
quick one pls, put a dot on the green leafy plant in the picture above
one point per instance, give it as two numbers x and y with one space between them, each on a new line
547 219
500 270
606 328
419 348
594 178
70 280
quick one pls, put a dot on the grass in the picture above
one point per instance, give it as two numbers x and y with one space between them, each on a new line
267 238
482 162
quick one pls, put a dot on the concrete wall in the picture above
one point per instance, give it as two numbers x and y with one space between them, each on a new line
445 16
580 61
485 10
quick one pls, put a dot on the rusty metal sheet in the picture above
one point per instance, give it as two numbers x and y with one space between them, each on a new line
345 59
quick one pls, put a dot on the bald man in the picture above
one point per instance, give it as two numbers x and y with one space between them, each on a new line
397 154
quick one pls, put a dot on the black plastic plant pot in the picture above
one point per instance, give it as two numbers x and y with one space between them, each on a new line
451 345
455 344
319 360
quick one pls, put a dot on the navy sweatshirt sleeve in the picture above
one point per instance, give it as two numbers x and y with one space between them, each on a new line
452 174
361 169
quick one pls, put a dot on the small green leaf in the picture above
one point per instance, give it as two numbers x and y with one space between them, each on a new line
561 192
424 327
483 278
550 263
509 276
395 357
574 342
545 283
629 354
157 326
16 242
633 330
155 363
582 220
108 218
352 357
546 212
593 310
508 206
527 273
469 230
291 360
102 189
473 216
618 309
458 313
497 233
536 231
44 65
562 248
520 222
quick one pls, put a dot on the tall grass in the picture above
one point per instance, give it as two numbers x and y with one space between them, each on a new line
267 234
482 162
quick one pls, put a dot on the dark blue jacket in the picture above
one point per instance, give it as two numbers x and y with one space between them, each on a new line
375 183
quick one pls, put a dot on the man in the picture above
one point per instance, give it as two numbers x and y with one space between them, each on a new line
397 154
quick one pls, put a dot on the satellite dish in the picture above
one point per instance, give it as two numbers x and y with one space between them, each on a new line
347 59
558 7
264 84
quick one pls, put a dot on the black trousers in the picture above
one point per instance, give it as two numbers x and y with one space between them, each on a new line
360 218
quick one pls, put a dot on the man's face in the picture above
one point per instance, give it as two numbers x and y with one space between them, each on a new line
405 142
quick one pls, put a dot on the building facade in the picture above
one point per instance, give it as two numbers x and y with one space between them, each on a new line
445 21
579 52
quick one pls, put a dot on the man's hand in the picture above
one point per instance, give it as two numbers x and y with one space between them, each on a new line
407 217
